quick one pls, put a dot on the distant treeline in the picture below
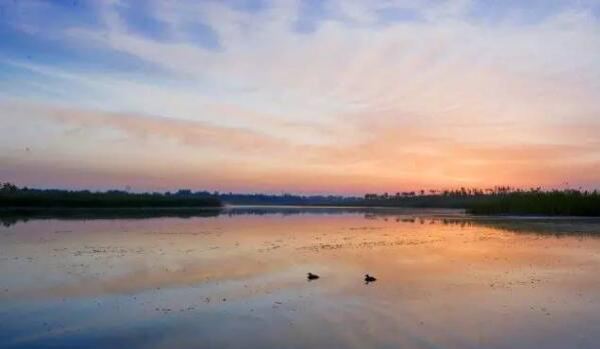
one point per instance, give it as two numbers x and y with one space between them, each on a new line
498 200
458 198
12 196
287 199
455 198
554 203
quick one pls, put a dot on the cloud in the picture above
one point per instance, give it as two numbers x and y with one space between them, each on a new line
452 67
365 96
163 150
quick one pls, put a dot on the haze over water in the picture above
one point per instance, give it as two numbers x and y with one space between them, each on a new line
237 279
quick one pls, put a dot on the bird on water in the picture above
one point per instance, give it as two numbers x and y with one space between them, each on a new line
312 276
369 278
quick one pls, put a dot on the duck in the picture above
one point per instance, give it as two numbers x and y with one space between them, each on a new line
369 278
312 276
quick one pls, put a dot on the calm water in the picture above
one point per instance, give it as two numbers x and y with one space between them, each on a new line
238 280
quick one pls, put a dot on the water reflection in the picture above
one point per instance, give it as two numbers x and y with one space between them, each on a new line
13 216
538 225
237 278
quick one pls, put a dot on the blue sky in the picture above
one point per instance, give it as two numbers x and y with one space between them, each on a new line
310 96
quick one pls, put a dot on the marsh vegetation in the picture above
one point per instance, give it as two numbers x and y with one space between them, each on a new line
498 200
13 197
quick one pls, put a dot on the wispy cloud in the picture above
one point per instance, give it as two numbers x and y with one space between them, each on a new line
388 94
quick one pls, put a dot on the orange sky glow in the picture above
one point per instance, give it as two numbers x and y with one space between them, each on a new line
339 99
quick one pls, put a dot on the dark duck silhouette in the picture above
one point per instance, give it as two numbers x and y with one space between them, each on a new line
369 278
312 276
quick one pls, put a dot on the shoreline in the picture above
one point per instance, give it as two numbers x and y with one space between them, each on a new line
118 212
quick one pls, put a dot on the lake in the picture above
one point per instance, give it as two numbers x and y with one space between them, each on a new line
237 278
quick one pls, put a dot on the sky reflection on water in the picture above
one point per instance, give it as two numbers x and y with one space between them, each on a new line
238 279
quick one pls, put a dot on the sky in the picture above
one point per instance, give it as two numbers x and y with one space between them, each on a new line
300 96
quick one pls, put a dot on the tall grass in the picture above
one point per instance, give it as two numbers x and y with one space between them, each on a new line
497 200
554 203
